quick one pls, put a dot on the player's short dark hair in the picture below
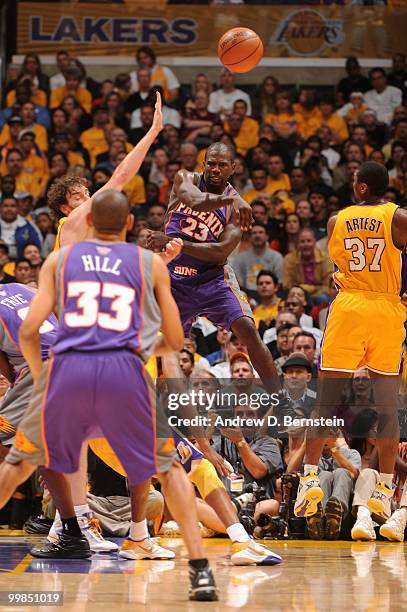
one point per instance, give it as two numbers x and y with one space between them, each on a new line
375 176
59 191
267 273
308 335
220 147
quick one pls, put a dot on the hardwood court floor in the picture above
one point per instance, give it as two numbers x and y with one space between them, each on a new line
315 576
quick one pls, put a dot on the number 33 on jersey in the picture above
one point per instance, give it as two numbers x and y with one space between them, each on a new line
105 298
362 249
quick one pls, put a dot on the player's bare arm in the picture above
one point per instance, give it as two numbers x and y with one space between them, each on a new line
331 225
172 338
213 252
75 228
41 307
399 228
189 194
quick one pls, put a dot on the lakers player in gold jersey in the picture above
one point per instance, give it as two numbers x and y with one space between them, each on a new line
365 328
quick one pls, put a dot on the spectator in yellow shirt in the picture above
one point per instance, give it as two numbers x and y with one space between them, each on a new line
38 96
233 125
35 162
27 115
247 136
309 111
258 177
9 134
266 312
286 122
63 144
277 178
24 181
94 139
72 88
334 121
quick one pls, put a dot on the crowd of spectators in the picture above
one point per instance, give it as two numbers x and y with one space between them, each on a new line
296 153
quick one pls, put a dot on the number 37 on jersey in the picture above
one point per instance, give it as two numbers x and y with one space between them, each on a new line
365 254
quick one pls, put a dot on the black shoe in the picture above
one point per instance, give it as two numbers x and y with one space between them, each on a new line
333 518
315 524
38 525
203 587
67 547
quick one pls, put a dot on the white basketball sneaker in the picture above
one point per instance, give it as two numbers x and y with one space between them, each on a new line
252 553
363 530
145 549
91 530
393 528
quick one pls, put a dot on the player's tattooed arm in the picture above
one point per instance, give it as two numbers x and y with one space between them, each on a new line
42 305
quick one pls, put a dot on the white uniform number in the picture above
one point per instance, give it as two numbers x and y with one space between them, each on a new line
360 252
118 318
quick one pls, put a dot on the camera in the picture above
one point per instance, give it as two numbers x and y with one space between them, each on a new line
246 505
285 525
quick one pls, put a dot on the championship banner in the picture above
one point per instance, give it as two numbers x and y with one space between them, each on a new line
286 31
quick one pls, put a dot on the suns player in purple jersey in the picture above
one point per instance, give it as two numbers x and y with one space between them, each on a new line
201 281
112 299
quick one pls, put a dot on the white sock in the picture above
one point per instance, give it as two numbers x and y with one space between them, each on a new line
138 531
387 479
308 468
363 512
82 509
237 533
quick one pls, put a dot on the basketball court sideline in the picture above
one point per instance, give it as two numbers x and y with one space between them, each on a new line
314 576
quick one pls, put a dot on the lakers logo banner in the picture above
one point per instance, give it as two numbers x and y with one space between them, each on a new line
286 31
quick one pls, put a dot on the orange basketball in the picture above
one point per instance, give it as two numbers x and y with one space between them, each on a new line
240 49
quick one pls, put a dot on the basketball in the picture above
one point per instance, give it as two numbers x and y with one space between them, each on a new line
240 49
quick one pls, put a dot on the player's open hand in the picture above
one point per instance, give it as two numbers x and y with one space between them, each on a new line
157 125
244 213
172 250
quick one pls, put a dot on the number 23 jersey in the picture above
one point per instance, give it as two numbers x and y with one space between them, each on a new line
105 298
194 226
362 249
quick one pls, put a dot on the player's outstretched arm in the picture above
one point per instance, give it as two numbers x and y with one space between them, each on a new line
41 307
212 252
73 229
172 338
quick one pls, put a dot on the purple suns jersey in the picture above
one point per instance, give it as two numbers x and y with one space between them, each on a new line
105 298
15 301
183 222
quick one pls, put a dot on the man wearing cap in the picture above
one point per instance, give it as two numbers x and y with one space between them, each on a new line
9 134
233 345
94 138
297 373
